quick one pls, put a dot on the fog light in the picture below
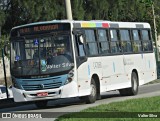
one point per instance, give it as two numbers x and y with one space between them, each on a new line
69 79
70 74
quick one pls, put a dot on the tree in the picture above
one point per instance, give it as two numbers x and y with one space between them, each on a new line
42 10
20 12
3 5
78 9
2 20
96 9
157 14
28 11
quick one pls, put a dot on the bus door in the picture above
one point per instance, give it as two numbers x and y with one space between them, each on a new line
81 62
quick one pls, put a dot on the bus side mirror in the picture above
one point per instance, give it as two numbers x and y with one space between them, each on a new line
80 35
81 39
154 44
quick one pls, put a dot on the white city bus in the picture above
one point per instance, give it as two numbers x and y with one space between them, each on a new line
62 59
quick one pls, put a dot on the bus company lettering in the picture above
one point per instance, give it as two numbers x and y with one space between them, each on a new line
128 62
63 65
97 65
67 65
53 66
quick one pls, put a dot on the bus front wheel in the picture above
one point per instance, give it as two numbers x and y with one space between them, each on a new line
41 104
133 90
92 97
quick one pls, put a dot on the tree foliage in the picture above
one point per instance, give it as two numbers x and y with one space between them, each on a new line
20 12
78 9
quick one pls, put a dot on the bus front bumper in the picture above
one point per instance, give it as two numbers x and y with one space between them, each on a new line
69 90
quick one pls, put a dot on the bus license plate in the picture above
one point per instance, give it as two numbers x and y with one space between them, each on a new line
42 94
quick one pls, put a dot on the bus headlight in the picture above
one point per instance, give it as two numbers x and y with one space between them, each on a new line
70 77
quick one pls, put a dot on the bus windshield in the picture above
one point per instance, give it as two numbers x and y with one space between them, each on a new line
41 55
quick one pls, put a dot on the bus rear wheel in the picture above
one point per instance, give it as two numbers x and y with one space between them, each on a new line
133 90
92 97
41 104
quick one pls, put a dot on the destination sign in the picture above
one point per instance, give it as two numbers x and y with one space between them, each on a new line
40 29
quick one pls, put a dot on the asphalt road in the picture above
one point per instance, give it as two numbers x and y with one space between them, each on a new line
75 105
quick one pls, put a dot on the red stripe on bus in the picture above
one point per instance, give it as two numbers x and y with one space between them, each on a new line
105 25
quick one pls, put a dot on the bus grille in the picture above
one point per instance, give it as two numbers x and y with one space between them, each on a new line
42 86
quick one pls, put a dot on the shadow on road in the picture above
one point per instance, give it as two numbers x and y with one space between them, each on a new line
60 103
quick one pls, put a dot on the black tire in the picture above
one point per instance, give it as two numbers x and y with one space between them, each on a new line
134 80
92 97
123 92
41 104
133 90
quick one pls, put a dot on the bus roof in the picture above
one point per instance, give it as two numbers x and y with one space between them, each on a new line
94 24
110 24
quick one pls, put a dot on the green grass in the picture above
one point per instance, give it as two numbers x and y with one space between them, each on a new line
155 81
117 109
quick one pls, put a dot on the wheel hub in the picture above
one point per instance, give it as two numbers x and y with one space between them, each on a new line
93 90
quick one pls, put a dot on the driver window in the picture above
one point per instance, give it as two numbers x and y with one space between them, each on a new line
81 50
80 45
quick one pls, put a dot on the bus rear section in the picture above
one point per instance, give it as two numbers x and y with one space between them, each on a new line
119 56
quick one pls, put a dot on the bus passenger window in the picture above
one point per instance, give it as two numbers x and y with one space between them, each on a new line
137 46
145 35
91 42
103 41
125 41
146 40
115 45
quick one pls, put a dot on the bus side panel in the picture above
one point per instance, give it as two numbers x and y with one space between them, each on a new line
150 65
85 73
137 62
70 90
113 72
83 79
